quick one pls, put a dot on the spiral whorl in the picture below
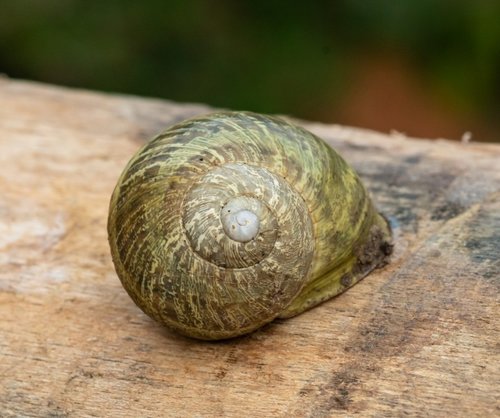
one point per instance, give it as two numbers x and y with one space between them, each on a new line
182 184
240 218
218 223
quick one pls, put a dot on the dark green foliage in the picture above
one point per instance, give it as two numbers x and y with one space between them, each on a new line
266 56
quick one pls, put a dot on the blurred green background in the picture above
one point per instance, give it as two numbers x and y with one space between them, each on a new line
426 68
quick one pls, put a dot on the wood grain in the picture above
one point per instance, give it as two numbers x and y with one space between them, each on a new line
418 338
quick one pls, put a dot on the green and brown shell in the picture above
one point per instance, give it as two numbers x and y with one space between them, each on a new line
317 231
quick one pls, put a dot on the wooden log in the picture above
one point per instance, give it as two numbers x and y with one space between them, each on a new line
417 338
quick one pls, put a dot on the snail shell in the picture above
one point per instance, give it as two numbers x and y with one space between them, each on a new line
225 222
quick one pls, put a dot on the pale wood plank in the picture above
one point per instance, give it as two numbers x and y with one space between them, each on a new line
418 338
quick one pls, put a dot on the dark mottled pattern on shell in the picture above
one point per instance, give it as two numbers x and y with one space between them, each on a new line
170 249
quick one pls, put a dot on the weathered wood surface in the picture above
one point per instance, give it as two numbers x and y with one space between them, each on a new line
418 338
